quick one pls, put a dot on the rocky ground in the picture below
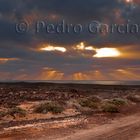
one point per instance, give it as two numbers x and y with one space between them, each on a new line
41 111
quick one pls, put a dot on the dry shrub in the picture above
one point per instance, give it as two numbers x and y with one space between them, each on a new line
52 107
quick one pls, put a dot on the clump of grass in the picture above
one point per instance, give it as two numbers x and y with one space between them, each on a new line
88 103
91 102
110 108
2 114
118 101
52 107
16 111
134 98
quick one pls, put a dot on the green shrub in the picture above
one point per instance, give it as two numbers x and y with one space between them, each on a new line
2 114
88 103
48 107
91 102
16 111
111 108
118 101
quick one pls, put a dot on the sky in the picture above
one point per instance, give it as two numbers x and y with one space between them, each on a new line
69 40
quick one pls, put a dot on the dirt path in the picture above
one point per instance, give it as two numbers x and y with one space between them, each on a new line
127 128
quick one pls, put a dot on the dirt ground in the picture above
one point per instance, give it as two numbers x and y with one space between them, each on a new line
93 128
126 128
71 124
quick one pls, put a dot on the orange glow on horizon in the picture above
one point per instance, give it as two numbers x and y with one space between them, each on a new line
50 74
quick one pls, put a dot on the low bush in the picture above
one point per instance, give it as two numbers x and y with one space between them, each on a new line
110 108
118 101
52 107
2 114
16 111
91 102
88 103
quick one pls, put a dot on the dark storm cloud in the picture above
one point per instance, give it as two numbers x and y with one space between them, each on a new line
7 6
8 32
14 45
65 8
76 10
79 11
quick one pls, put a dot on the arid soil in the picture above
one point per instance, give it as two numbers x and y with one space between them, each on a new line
78 120
126 128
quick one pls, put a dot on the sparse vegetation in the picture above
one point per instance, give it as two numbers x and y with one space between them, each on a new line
52 107
110 108
2 114
118 101
88 103
91 102
16 111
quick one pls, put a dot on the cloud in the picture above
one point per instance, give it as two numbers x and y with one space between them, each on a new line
73 63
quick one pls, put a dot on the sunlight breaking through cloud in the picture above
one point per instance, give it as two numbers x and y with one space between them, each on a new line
53 48
107 52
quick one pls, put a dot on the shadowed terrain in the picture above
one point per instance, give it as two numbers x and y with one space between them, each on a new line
69 111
